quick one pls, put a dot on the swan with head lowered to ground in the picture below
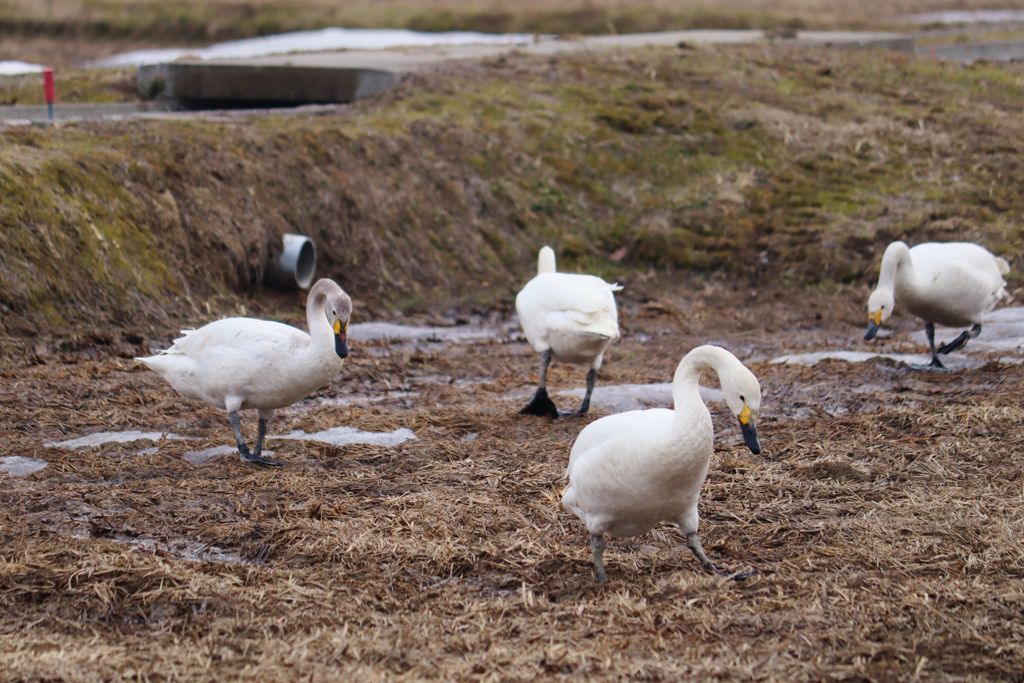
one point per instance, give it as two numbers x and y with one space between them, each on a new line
631 471
567 317
243 363
950 283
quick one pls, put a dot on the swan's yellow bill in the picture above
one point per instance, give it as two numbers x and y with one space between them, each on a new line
745 414
876 317
337 327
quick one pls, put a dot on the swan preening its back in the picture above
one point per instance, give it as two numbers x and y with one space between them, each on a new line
242 363
629 472
567 317
950 283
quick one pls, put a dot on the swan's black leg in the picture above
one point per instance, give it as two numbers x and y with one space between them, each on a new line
585 406
960 341
541 404
243 450
693 541
597 546
929 330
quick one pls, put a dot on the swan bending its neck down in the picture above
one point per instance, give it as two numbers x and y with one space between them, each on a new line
629 472
949 283
242 363
568 317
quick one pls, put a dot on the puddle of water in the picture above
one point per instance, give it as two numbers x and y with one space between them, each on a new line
988 16
20 466
345 436
470 438
620 398
314 41
15 68
193 551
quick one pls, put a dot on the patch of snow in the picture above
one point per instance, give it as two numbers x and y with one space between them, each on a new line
152 450
20 466
314 41
16 68
344 436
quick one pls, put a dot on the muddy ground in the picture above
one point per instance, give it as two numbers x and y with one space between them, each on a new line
883 518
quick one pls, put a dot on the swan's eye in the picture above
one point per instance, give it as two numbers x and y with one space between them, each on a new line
742 398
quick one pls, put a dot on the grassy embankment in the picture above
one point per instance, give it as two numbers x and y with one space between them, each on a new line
768 165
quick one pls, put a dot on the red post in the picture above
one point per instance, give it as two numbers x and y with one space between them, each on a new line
49 90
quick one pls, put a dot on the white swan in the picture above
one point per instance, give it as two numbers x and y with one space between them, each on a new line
568 317
949 283
243 363
631 471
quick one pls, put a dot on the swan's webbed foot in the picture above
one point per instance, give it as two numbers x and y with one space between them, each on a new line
540 405
597 546
243 450
256 459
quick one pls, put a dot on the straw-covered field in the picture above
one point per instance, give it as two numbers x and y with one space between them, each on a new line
884 518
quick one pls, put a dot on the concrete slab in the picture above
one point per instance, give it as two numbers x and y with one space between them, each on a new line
344 76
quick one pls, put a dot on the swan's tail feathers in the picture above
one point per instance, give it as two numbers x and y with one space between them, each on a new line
1003 265
599 323
616 287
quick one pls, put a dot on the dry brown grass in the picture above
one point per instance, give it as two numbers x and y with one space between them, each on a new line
887 539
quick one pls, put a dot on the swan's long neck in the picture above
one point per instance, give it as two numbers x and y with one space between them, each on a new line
686 383
897 271
319 329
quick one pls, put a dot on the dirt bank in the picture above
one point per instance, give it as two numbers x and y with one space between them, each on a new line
754 163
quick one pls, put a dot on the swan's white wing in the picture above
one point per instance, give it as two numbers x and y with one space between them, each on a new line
242 334
931 258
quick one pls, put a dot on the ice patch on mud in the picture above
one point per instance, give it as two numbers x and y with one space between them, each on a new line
985 16
1002 331
620 398
382 331
346 436
207 454
101 438
193 551
346 401
959 362
20 466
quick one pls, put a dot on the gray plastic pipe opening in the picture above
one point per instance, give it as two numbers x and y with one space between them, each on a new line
297 263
